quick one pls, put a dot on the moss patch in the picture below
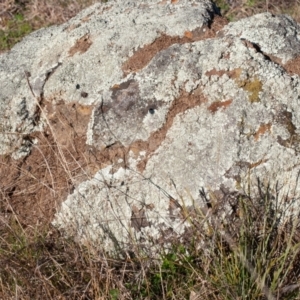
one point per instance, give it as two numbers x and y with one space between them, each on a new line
253 87
17 28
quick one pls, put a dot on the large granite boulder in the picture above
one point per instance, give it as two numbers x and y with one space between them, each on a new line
119 117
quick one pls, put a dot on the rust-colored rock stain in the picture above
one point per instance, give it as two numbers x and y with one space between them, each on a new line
263 128
81 45
293 66
144 55
219 104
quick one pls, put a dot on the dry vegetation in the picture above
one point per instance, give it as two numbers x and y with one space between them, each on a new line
251 254
20 17
237 9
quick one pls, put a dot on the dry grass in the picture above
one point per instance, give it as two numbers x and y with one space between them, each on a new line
237 9
18 18
249 254
42 12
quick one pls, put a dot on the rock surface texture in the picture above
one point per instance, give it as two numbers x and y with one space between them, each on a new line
132 107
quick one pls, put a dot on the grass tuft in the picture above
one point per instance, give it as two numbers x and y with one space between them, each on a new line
251 253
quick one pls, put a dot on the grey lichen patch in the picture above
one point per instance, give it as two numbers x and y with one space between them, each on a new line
139 218
180 105
124 108
282 32
144 55
241 168
124 97
115 150
115 194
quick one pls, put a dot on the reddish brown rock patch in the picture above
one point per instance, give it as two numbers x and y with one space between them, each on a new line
144 55
293 66
81 45
263 128
234 74
219 104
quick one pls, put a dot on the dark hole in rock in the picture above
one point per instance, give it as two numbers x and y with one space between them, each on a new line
151 111
84 94
77 86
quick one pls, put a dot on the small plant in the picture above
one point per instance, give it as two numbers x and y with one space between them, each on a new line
16 29
255 255
251 3
172 277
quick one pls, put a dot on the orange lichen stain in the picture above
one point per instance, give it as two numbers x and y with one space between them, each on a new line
84 109
115 86
252 87
263 128
174 1
135 150
188 34
219 104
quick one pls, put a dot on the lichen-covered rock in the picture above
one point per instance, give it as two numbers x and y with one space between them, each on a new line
174 100
91 52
